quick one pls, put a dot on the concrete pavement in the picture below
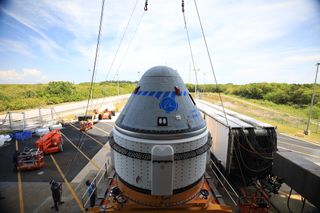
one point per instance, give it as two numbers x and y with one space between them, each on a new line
305 149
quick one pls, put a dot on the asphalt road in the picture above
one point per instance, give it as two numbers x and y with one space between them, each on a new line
71 161
69 108
305 149
35 191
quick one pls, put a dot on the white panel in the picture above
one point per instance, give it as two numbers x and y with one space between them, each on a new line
162 170
190 170
133 171
220 136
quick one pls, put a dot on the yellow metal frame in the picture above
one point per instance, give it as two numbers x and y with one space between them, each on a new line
189 200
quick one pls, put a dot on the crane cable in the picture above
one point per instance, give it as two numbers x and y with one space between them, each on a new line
190 48
211 64
130 42
121 40
95 59
80 141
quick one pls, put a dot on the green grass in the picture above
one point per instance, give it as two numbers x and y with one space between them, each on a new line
26 96
288 119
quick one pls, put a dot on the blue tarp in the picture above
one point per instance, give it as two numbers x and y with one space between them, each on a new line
24 135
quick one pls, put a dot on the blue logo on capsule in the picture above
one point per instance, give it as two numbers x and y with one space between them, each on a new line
168 104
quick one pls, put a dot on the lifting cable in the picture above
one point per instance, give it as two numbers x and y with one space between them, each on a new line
211 64
191 53
129 45
95 58
80 143
121 40
78 146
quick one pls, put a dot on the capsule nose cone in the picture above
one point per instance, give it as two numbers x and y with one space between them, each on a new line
160 104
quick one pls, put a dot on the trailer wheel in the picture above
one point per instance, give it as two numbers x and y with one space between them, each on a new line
110 116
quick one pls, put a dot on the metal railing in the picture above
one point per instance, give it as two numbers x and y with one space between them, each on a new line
232 197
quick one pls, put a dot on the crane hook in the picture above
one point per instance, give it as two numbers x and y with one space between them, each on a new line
146 6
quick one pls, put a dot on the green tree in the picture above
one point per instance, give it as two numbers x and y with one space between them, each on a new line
60 88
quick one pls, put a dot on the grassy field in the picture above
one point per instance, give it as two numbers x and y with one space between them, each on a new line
288 119
27 96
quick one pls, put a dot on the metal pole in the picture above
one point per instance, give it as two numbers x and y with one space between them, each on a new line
40 117
195 86
138 75
52 114
118 86
196 83
306 132
10 120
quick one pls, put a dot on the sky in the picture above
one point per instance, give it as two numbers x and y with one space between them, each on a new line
248 40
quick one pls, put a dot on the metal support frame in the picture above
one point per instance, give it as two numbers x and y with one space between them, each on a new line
52 114
306 132
10 120
40 116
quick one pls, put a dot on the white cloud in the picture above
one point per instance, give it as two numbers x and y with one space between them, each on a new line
26 76
27 23
16 47
249 40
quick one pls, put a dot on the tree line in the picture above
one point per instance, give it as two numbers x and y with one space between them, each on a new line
296 95
24 96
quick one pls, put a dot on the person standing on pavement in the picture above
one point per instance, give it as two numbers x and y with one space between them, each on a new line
56 190
15 160
92 192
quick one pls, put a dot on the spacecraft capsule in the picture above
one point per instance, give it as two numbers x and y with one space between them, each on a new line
160 141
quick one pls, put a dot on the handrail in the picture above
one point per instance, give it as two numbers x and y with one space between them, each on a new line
234 191
93 181
224 187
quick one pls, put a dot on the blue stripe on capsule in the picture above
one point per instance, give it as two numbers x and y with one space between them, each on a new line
151 93
139 93
173 95
158 94
184 93
166 94
145 93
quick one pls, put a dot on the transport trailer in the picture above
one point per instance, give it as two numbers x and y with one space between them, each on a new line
243 147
